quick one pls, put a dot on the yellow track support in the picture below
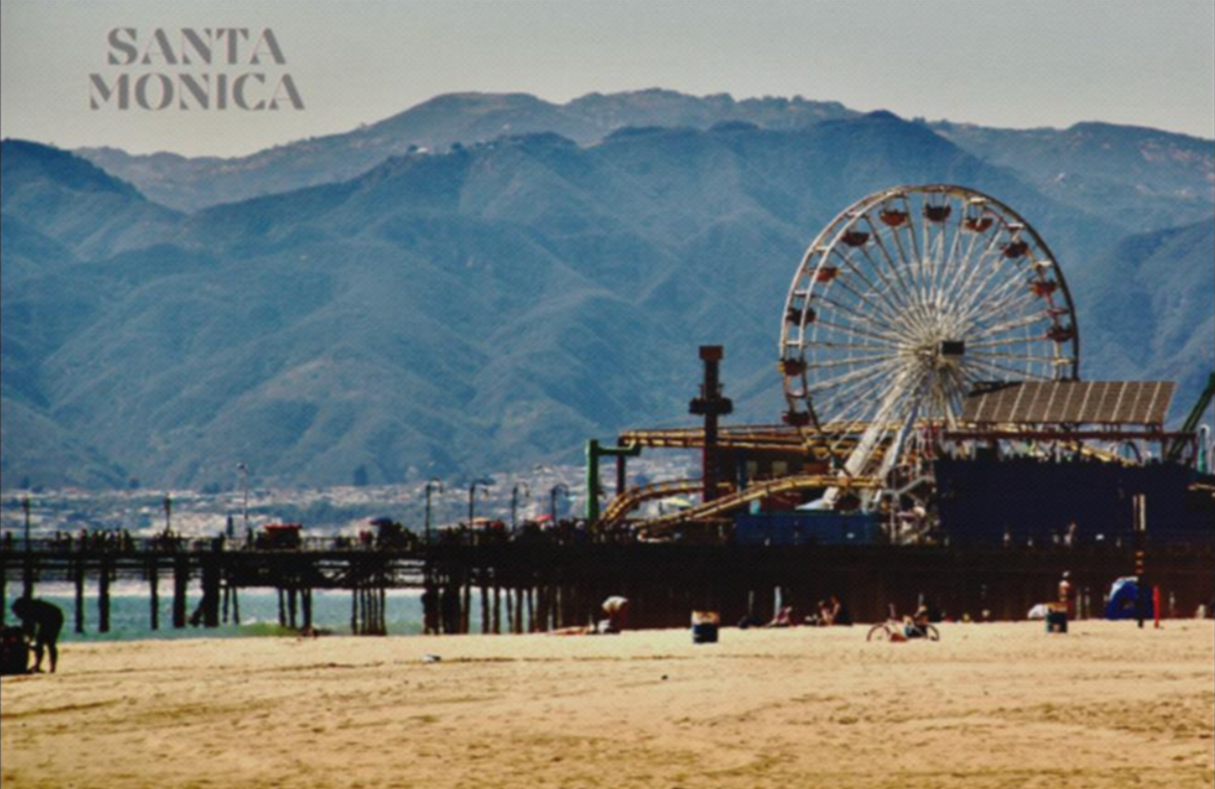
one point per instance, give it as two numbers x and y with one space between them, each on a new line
634 497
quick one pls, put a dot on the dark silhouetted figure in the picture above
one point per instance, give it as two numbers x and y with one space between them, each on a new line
41 622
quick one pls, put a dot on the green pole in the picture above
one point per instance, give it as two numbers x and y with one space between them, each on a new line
593 487
592 481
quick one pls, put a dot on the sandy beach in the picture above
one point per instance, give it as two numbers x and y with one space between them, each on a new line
993 705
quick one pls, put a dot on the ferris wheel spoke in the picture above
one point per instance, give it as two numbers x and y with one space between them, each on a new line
1012 324
833 399
881 291
853 416
998 304
851 360
981 294
968 266
851 345
819 322
982 271
905 272
852 376
993 366
904 288
1018 340
895 290
889 328
1030 357
878 314
947 244
955 251
840 404
992 262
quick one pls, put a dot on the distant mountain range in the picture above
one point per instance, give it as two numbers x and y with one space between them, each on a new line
495 300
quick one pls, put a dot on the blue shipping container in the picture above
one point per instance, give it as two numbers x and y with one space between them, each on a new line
807 528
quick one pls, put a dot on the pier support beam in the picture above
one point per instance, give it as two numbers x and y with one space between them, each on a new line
103 597
292 607
181 581
154 592
210 585
79 579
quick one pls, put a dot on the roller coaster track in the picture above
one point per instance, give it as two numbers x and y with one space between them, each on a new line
771 437
755 438
756 492
634 497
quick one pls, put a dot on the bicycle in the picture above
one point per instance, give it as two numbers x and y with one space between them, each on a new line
895 629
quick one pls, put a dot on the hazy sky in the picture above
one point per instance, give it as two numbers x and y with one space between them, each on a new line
1016 63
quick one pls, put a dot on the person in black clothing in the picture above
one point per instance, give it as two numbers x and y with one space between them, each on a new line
41 622
837 612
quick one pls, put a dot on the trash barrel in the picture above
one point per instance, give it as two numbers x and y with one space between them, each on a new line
1056 620
704 627
15 658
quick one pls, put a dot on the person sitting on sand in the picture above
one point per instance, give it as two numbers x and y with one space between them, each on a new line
617 610
837 613
916 626
783 618
41 622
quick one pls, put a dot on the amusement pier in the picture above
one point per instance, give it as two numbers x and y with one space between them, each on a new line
938 447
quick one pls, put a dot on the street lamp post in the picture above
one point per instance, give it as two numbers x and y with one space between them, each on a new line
27 580
431 485
25 505
552 498
168 504
514 502
244 485
472 499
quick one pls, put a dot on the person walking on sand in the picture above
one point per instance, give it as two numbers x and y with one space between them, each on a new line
1065 592
41 622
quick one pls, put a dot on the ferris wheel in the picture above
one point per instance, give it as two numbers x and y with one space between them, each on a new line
902 305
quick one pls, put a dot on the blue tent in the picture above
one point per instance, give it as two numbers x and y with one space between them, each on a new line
1123 602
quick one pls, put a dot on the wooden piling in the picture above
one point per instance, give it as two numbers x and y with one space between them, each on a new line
211 576
510 610
79 579
465 601
154 592
181 581
292 606
485 618
103 597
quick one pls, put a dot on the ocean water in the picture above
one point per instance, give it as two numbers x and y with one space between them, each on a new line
130 613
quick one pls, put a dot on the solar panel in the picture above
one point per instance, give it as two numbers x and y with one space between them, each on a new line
1073 402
